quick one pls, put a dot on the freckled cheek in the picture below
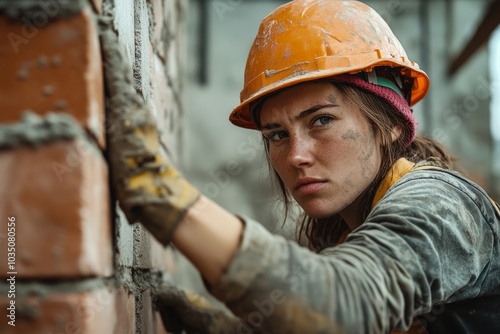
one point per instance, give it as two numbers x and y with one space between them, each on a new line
333 151
278 161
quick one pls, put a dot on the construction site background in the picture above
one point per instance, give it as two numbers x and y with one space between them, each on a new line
79 267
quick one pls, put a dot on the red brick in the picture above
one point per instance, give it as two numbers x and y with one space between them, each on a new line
59 194
54 67
99 311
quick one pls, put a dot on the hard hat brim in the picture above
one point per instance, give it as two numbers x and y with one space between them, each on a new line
241 115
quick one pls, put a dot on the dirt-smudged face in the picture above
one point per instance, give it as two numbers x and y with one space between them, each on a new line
322 147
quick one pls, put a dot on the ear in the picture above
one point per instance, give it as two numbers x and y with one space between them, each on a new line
396 133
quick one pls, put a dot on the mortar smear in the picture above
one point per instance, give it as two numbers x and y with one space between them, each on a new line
34 130
32 9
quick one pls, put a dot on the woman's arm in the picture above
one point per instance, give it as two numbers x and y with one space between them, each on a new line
416 249
208 236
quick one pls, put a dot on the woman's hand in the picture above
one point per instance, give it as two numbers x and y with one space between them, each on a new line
148 188
187 311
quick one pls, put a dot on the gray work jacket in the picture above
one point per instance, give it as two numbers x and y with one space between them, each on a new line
433 239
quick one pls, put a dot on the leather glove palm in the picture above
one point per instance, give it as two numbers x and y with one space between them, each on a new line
183 310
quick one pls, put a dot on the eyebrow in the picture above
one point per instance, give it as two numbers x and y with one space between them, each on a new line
302 115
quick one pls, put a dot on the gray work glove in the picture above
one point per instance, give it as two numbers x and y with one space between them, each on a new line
149 189
187 311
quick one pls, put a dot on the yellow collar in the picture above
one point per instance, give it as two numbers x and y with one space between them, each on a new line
397 171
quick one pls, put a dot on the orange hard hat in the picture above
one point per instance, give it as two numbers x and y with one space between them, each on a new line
305 40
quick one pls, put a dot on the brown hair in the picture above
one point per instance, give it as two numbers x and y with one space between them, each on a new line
383 117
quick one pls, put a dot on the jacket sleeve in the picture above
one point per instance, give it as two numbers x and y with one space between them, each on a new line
426 242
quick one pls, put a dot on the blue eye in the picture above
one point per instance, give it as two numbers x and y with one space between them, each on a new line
322 120
275 136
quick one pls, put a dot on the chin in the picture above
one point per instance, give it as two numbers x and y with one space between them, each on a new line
319 216
321 208
319 213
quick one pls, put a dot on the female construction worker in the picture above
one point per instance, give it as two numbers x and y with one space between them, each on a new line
395 237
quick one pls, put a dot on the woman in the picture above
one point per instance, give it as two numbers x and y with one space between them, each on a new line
391 242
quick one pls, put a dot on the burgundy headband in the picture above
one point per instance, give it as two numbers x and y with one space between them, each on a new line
388 94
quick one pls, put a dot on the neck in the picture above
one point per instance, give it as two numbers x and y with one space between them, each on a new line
353 214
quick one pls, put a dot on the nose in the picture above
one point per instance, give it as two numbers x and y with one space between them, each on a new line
300 151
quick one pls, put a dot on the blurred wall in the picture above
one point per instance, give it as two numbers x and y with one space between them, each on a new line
224 161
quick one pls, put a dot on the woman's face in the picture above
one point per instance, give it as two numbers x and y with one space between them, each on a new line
322 147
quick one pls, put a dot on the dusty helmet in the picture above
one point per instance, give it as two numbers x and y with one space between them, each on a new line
305 40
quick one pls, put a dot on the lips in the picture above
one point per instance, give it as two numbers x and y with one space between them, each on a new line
309 185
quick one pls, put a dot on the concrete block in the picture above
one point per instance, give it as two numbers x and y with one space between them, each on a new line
146 321
143 50
148 252
165 107
125 312
124 23
159 35
124 236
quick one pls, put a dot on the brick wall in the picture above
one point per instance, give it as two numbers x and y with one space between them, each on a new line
79 266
